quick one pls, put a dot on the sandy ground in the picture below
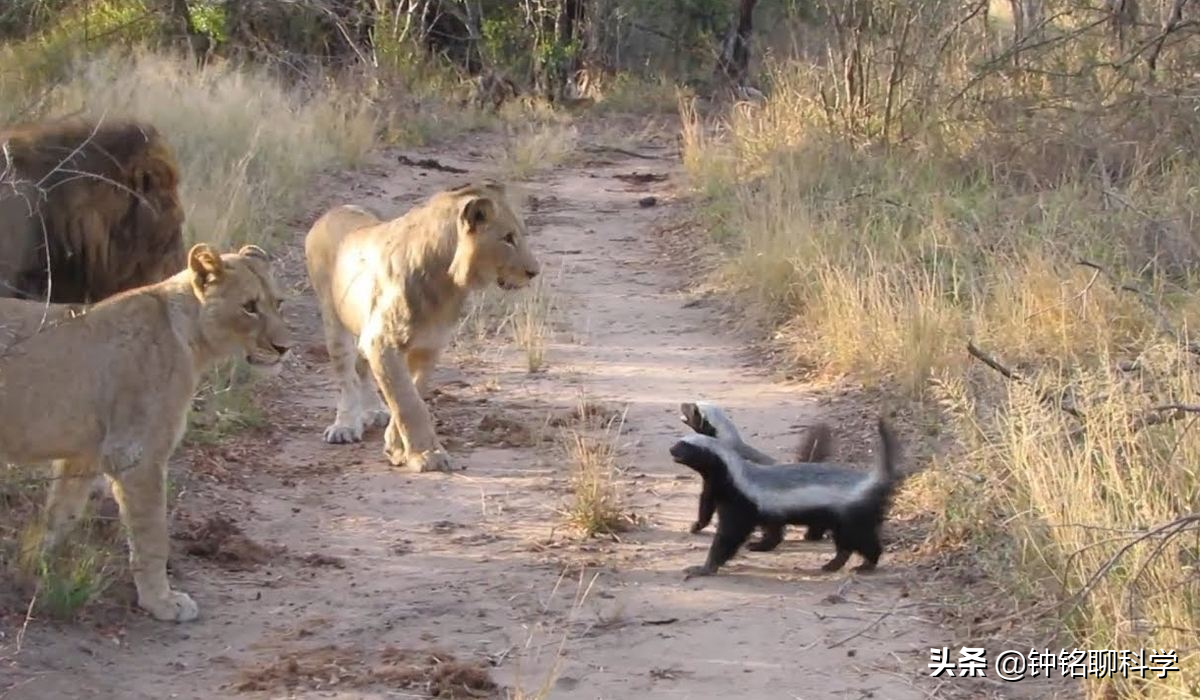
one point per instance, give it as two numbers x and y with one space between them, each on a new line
322 572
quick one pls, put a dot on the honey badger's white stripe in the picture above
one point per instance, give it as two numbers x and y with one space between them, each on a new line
728 434
780 501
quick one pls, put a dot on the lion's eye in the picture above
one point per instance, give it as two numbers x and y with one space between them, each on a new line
511 239
251 307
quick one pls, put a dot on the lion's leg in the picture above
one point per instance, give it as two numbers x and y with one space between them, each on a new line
70 486
374 411
343 356
141 492
420 365
410 437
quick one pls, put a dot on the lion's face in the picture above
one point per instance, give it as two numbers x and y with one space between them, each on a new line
240 303
497 243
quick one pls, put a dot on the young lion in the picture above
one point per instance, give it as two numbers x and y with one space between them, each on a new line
391 293
110 389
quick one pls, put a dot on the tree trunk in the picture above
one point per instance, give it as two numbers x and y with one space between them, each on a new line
558 28
197 42
733 62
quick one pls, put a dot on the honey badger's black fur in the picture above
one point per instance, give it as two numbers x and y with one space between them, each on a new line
747 495
708 419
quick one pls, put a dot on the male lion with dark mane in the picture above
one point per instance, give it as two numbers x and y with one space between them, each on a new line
391 293
107 388
86 210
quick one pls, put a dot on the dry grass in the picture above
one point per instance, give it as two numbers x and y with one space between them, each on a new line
597 504
533 652
531 323
536 146
633 94
528 317
883 262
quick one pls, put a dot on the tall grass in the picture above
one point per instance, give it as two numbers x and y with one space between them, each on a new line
247 146
881 257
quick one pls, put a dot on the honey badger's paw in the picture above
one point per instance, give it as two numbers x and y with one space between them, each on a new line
174 607
338 434
697 571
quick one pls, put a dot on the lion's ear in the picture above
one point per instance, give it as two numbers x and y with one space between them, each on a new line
478 211
253 251
206 266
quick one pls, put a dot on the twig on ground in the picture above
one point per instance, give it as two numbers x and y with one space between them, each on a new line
870 626
597 148
428 163
28 617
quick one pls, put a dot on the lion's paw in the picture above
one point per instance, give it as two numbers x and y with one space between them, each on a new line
338 434
175 607
435 460
377 419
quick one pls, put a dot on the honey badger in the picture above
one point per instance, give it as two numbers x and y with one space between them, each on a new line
746 495
708 419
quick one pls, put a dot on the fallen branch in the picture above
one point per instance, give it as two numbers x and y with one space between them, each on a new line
1167 413
872 625
974 351
596 148
429 164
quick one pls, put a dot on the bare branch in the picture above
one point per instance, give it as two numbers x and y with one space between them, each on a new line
1060 402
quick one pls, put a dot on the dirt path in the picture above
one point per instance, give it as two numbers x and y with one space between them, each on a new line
351 568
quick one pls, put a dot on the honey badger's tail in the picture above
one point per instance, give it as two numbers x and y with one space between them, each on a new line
874 496
889 453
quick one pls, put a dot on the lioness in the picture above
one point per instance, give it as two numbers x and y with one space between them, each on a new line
108 391
390 294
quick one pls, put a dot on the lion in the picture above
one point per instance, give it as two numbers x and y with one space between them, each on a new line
87 210
112 383
390 295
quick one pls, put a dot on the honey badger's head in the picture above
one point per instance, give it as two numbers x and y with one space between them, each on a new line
700 453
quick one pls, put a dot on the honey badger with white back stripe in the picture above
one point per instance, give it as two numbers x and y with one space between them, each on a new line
748 495
708 419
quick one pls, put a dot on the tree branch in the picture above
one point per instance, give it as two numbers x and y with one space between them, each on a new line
1060 403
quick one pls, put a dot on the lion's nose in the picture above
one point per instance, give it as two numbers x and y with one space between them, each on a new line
281 349
532 272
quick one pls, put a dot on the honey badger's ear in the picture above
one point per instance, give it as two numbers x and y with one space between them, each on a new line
477 212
